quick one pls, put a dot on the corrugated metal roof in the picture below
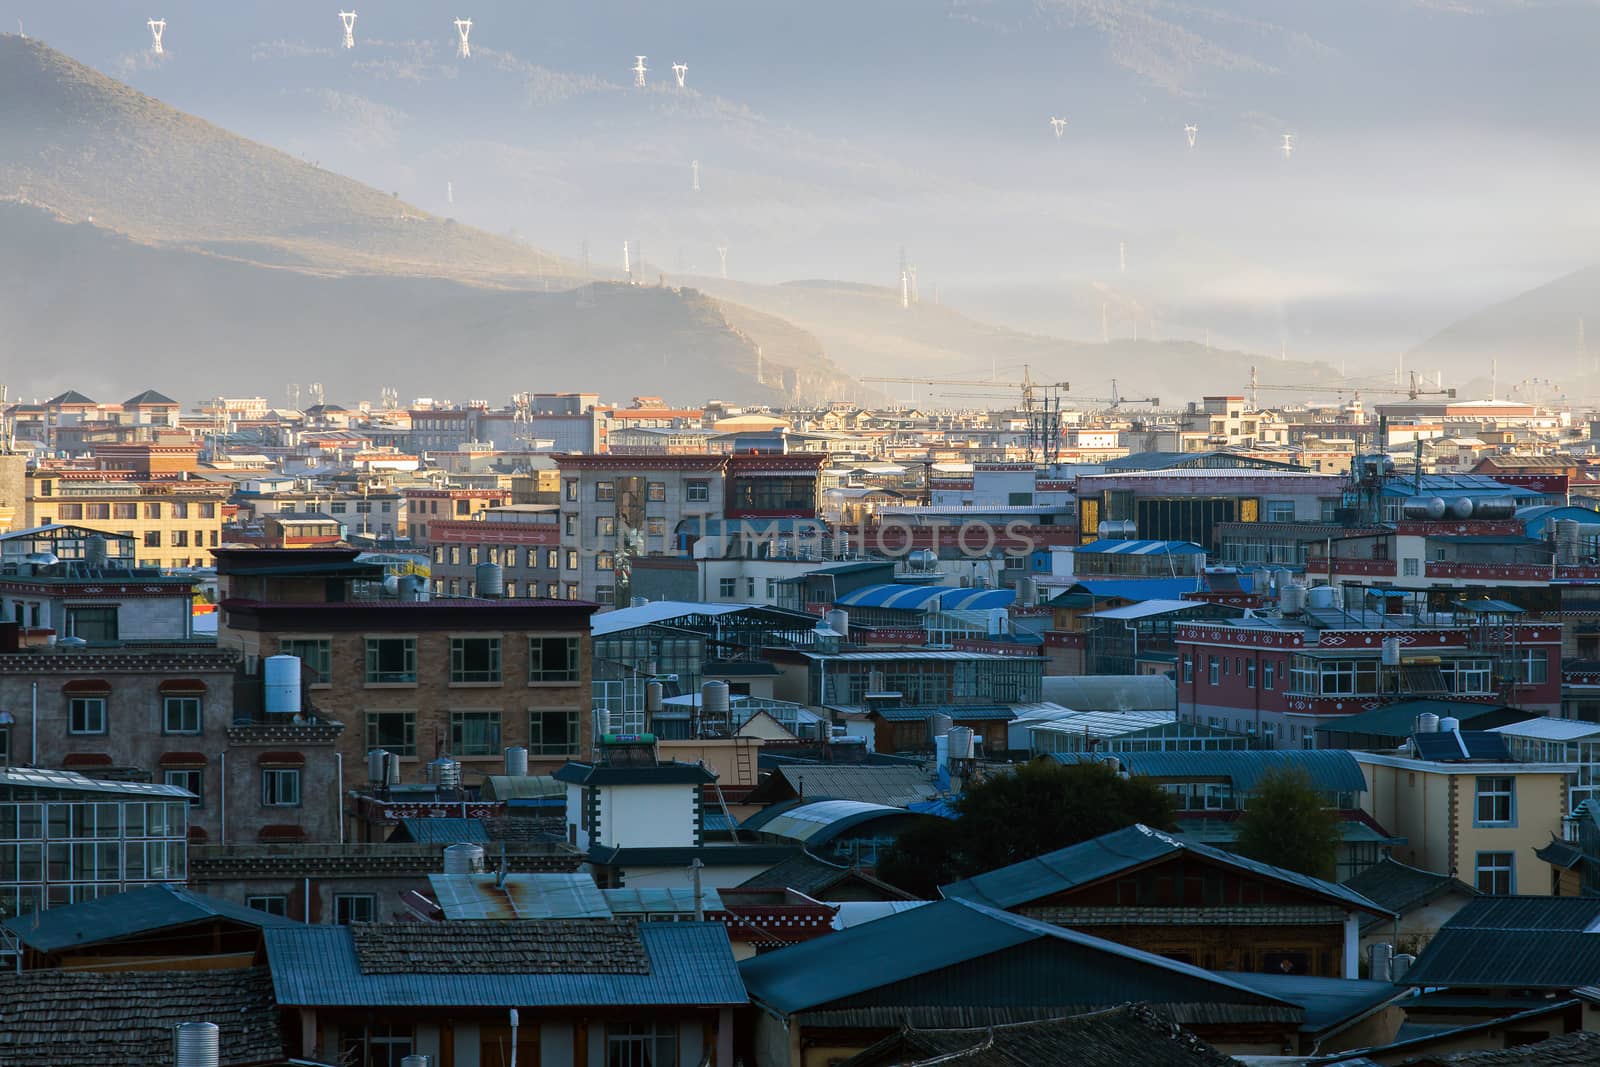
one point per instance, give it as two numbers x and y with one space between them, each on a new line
1400 720
1328 1002
659 901
1146 608
442 831
522 787
947 933
958 713
1545 728
121 915
1514 942
1138 588
690 964
1104 724
1105 856
518 896
660 612
1330 770
977 599
1105 546
819 821
891 786
1400 888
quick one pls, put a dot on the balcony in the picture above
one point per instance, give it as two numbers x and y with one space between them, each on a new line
1373 568
1497 572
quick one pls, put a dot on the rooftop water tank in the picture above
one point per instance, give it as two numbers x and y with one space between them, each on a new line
1495 507
1461 507
962 744
1391 652
654 695
491 581
94 550
445 773
938 725
1322 596
464 858
1427 723
517 761
714 702
376 765
1449 725
838 621
281 685
196 1045
1291 599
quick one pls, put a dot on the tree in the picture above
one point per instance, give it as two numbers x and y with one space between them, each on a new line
1038 808
1288 824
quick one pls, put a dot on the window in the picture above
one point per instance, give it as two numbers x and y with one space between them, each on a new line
280 787
336 507
391 660
86 715
455 554
1533 666
472 556
571 521
1408 567
1467 676
393 731
605 594
475 659
474 733
572 488
354 908
572 559
697 492
655 526
92 623
1213 670
1279 511
180 715
553 659
463 507
1496 801
553 733
1349 677
363 507
316 657
750 587
1250 674
604 561
152 511
641 1045
69 512
272 905
1269 672
180 538
1496 874
605 525
726 587
191 779
605 491
1188 668
152 539
552 558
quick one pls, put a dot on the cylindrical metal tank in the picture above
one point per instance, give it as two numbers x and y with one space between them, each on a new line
714 702
491 580
517 761
1380 961
94 550
196 1045
281 685
1569 541
938 725
838 621
1495 507
1027 591
1461 507
391 768
1322 596
376 765
1391 652
1427 723
464 858
1400 966
445 773
1291 599
961 743
655 695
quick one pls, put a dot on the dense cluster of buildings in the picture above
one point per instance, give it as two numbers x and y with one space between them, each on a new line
575 733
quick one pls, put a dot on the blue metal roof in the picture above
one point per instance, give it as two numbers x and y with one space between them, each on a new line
137 911
1139 588
1107 855
1142 548
445 831
1330 770
1450 486
948 933
926 598
1328 1002
690 963
817 822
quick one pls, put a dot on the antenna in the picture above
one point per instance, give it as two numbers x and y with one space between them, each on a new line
157 28
349 20
722 250
449 192
464 27
639 71
681 72
1059 125
316 393
1191 131
694 167
627 263
1288 145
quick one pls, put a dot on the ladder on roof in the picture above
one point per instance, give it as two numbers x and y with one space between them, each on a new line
743 764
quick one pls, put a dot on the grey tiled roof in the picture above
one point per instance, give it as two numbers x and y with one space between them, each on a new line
488 946
87 1019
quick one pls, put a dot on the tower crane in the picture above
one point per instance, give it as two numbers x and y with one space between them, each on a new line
1415 390
1112 402
1043 411
1027 385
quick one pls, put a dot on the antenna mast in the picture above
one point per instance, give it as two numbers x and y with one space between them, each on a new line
639 71
349 20
1191 131
694 167
1059 125
157 28
1288 145
681 72
722 250
464 49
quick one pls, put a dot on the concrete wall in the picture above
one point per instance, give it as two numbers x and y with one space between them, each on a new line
656 816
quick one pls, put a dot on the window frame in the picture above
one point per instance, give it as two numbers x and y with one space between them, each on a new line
197 775
460 675
1480 868
73 708
276 903
167 702
539 747
459 718
1486 788
322 670
373 673
345 902
373 733
570 674
273 780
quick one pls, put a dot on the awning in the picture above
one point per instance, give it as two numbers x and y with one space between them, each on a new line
182 759
281 759
87 687
181 685
87 759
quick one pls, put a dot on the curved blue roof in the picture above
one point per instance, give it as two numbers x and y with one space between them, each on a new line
926 598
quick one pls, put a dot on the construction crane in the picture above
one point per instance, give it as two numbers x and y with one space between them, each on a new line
1112 402
1414 391
1043 411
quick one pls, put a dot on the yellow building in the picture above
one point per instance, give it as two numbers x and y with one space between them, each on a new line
1475 820
175 522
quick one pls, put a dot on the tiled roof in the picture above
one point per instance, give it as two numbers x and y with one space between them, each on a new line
476 946
88 1019
1578 1049
811 876
121 915
688 963
1111 1038
1401 888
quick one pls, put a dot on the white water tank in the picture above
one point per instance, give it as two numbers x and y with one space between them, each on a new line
1400 966
517 761
376 765
464 858
196 1045
1322 596
281 685
1449 725
714 702
962 744
1427 723
938 725
444 773
838 621
1391 652
1291 599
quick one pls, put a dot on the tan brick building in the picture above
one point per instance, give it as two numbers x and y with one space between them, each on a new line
174 521
463 677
